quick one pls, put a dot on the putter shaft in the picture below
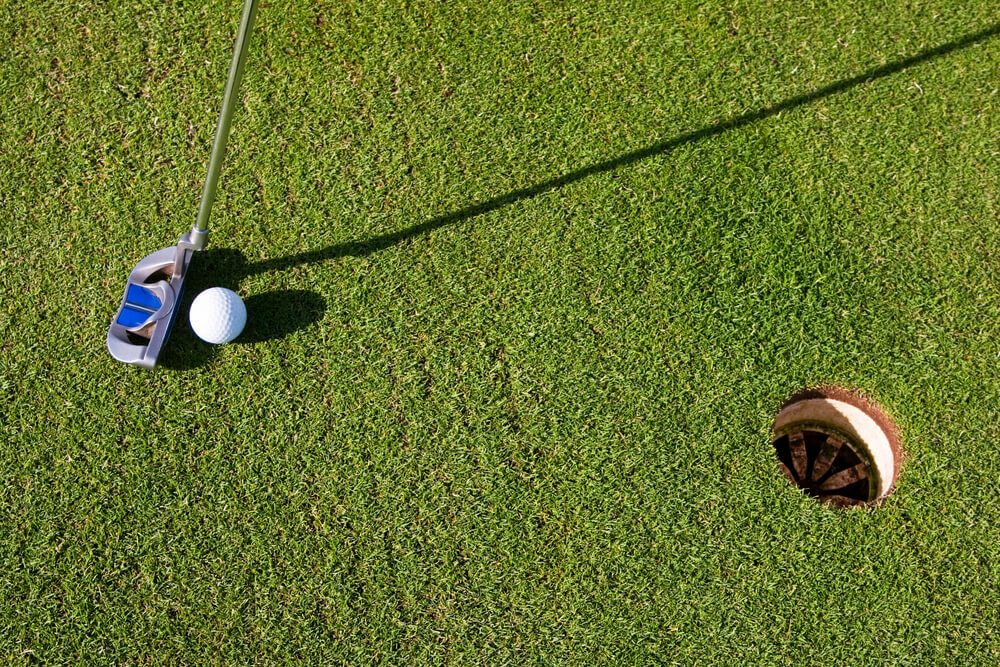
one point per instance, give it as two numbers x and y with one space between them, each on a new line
225 119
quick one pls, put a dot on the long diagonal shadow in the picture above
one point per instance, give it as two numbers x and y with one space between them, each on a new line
377 243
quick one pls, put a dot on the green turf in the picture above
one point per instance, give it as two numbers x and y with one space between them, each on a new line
528 281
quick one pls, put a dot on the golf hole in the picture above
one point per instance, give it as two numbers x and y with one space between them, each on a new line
837 446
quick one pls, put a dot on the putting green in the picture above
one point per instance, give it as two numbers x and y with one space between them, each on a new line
527 283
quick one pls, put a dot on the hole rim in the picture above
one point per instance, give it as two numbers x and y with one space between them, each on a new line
854 442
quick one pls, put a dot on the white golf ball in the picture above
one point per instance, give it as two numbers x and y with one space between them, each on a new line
218 315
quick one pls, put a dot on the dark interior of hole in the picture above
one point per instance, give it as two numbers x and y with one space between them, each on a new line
846 458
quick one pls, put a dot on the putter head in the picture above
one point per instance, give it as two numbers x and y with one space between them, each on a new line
149 305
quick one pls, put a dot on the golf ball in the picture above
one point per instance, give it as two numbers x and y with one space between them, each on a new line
218 315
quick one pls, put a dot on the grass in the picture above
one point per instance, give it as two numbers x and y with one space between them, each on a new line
527 281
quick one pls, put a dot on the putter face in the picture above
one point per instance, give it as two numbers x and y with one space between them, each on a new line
149 305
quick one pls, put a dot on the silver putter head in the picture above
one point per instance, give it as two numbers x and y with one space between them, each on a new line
150 303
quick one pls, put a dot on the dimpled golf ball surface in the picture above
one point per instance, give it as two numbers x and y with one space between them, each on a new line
218 315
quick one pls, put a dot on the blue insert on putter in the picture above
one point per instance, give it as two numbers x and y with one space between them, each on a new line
153 291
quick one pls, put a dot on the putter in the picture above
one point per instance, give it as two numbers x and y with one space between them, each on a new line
153 292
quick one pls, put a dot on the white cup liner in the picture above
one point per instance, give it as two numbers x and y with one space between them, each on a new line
831 439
